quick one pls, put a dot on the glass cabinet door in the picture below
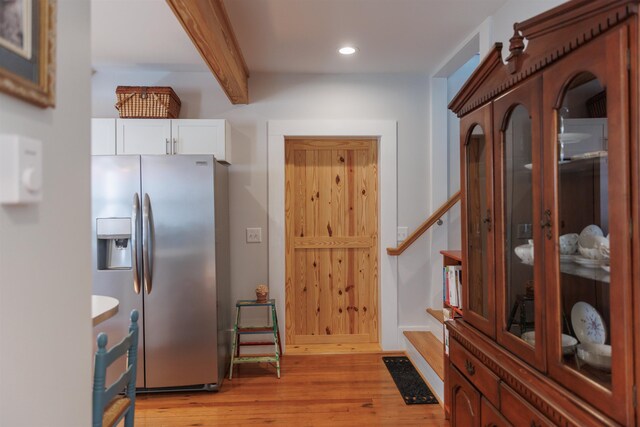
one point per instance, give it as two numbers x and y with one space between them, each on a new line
587 226
477 208
518 202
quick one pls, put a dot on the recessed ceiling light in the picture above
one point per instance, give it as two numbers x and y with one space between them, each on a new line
348 50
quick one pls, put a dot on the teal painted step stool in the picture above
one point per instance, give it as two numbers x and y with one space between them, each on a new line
254 330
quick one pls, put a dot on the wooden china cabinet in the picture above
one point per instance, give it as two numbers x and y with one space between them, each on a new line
549 155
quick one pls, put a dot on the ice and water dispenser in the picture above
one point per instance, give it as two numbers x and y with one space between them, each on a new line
114 243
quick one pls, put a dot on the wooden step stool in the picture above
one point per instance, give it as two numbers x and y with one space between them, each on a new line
253 330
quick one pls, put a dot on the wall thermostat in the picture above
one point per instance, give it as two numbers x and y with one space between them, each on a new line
20 170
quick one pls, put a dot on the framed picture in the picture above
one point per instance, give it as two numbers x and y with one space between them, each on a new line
27 50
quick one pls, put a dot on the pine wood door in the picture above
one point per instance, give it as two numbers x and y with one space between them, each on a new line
331 249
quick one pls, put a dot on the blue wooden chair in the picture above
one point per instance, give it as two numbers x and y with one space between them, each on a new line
109 405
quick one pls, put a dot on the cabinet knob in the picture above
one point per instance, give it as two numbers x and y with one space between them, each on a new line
471 370
534 424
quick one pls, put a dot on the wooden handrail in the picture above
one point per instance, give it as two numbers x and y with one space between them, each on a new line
425 225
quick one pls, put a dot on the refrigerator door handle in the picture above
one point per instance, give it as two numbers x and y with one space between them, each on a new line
134 242
147 244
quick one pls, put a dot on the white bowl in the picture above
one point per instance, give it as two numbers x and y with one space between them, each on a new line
590 253
568 243
594 247
596 355
525 253
604 249
529 337
568 342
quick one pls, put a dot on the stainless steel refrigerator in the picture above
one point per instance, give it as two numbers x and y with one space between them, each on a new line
161 245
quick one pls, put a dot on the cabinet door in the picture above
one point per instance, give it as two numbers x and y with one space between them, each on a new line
200 137
103 137
476 155
490 416
465 401
143 136
519 247
587 195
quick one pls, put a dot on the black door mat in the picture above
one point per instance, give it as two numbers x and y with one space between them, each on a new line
409 382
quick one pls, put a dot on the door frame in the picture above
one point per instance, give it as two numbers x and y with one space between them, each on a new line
386 133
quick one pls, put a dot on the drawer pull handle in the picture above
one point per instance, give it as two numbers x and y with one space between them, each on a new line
491 425
469 366
534 424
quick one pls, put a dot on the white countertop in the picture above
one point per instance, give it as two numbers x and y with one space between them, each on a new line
102 308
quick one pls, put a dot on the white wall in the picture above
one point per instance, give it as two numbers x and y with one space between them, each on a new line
302 96
45 276
496 28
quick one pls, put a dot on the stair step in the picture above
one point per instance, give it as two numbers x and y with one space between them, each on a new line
437 314
256 330
430 348
254 359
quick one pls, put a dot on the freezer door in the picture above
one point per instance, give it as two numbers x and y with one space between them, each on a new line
115 183
180 289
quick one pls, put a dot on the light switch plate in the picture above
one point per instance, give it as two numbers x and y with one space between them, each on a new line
254 235
402 233
20 170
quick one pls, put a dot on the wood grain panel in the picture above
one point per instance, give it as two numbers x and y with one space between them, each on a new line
339 217
207 24
313 273
324 228
333 339
301 300
332 242
334 218
372 218
289 287
329 144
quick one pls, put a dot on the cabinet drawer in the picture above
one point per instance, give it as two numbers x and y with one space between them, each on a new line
518 411
490 416
481 377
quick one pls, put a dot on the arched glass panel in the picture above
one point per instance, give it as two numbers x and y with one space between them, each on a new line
584 228
518 215
478 221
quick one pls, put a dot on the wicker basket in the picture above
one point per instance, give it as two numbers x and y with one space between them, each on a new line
147 102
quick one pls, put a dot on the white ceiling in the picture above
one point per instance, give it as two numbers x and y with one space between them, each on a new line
300 36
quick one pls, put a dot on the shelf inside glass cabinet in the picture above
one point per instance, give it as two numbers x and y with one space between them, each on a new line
579 162
569 267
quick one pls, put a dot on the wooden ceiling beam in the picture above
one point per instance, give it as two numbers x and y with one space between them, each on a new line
207 24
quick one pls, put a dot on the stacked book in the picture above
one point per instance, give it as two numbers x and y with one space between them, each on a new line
452 285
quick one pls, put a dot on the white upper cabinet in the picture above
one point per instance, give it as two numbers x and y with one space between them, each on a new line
202 137
177 136
103 137
144 136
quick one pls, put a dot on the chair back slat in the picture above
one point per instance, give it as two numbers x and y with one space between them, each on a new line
126 383
118 386
118 350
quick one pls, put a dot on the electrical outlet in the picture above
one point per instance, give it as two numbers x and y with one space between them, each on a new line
402 233
254 235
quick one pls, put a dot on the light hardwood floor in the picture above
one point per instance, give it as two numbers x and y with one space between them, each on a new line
322 390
